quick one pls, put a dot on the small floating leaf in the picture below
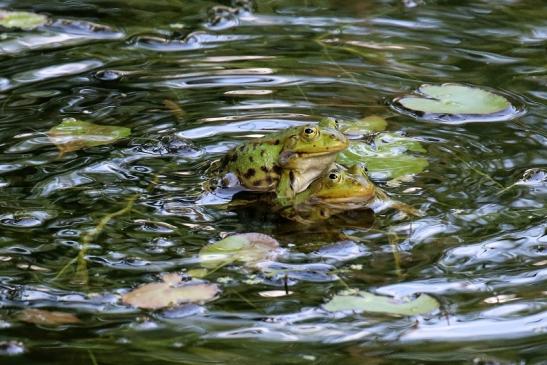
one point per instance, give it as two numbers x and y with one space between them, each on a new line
372 123
72 135
47 318
366 302
21 20
386 157
248 248
197 273
170 293
453 99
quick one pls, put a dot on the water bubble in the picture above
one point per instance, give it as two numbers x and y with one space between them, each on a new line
12 348
154 227
108 75
54 71
170 145
341 251
4 84
22 219
82 27
183 311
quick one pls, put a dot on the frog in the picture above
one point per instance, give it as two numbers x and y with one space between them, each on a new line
285 162
339 190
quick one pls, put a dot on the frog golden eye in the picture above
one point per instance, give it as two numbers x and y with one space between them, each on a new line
310 132
334 176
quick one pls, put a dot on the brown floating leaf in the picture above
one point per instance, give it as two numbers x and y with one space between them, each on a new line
48 318
170 293
72 134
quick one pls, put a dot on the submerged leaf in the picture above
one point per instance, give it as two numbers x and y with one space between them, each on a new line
386 157
170 293
47 318
72 135
248 248
366 302
453 99
21 19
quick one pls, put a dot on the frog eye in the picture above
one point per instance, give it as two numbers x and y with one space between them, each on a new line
310 132
334 176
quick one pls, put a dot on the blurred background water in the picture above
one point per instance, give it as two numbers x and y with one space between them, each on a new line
194 78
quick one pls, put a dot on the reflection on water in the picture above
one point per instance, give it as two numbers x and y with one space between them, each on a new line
192 80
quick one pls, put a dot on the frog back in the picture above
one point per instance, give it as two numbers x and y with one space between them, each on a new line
255 164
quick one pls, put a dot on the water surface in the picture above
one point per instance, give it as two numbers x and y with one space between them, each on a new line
192 80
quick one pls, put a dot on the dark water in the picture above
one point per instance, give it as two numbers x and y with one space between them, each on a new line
169 68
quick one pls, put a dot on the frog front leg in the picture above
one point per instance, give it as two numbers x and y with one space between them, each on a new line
285 192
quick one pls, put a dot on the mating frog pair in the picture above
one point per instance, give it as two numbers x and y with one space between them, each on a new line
298 164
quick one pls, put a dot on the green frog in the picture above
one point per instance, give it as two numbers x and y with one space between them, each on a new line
285 162
337 191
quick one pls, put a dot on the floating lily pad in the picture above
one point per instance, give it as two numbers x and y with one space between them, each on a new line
72 134
170 292
47 318
453 102
367 302
387 156
21 20
247 248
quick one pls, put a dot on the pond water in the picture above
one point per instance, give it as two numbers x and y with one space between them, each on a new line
191 80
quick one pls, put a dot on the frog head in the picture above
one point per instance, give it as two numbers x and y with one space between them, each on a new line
311 140
342 189
307 152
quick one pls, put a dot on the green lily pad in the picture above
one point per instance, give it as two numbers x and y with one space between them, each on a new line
367 302
72 134
387 157
21 20
247 248
171 292
453 99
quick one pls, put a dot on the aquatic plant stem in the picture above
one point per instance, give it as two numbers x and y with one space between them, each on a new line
92 358
82 275
477 171
392 238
